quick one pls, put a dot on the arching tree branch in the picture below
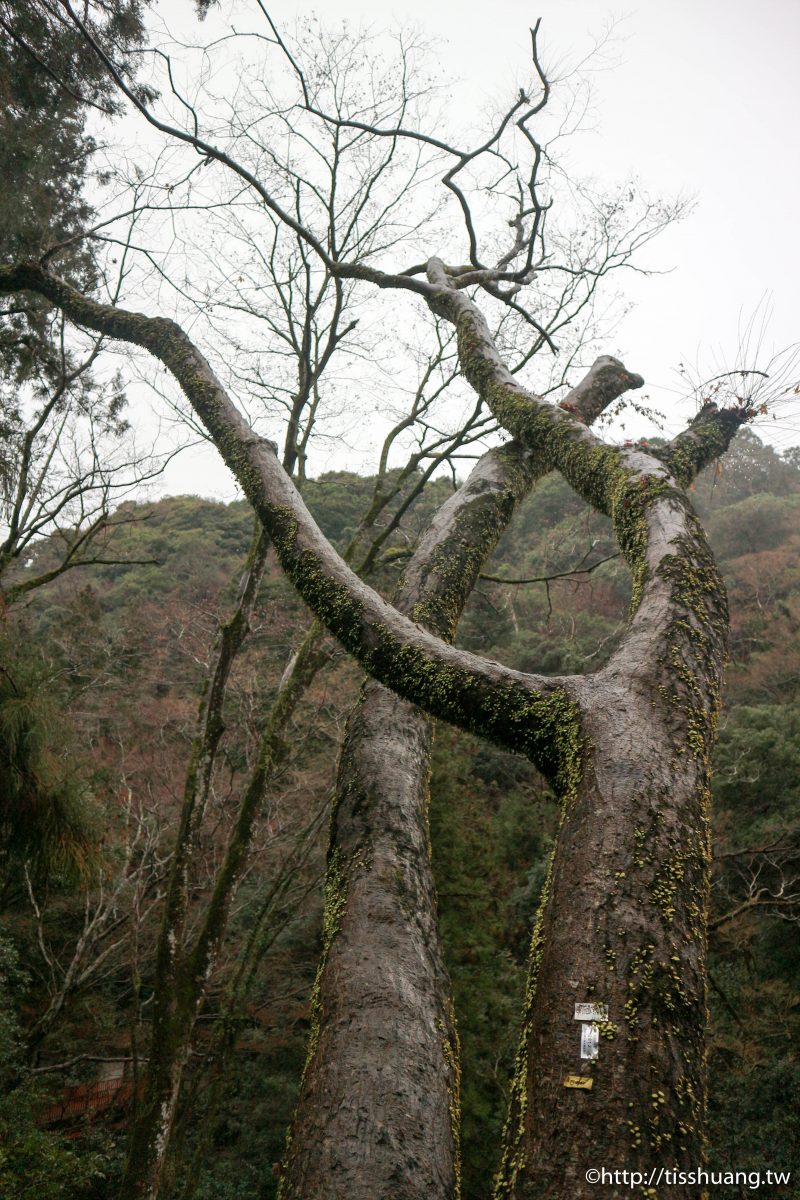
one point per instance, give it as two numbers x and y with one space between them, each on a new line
520 711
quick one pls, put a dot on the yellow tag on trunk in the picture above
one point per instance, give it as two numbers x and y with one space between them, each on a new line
578 1081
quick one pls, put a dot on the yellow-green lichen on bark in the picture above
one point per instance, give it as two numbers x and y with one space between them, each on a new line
337 880
572 752
451 1052
512 1163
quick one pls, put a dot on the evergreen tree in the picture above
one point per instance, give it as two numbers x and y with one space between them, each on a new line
49 82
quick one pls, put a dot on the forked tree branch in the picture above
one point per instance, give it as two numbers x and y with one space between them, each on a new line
651 515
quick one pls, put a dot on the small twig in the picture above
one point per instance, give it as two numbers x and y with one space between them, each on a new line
70 1062
550 578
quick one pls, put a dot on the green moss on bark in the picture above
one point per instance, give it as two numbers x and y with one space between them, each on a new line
572 751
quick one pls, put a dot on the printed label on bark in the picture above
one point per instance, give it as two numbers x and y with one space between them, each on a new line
579 1081
590 1041
591 1012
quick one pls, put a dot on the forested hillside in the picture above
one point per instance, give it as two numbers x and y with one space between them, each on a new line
99 690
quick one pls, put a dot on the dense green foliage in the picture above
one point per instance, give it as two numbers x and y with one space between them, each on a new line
45 805
34 1164
49 82
127 646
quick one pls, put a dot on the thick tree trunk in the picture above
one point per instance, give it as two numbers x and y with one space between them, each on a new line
622 925
379 1108
622 919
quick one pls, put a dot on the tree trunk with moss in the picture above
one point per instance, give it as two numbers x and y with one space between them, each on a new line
379 1101
379 1106
622 921
626 750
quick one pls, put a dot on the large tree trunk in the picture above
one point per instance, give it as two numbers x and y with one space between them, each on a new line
622 921
621 924
379 1106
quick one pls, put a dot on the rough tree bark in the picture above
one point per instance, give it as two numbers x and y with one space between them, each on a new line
626 750
379 1107
622 919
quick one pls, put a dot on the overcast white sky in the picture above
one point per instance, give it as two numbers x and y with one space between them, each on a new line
697 96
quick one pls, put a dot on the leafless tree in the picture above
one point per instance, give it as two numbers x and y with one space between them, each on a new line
68 458
766 878
116 909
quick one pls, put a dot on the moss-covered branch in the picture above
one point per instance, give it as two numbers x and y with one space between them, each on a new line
592 467
707 437
445 567
645 502
522 712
